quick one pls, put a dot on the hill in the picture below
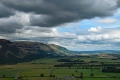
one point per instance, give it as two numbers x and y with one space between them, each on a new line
9 52
37 48
12 52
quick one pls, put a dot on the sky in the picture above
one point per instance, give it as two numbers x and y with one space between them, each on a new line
78 25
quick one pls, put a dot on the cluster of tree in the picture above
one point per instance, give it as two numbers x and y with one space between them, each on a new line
42 75
68 60
78 61
63 60
75 63
63 65
4 75
93 62
81 75
118 58
111 69
52 75
91 74
113 65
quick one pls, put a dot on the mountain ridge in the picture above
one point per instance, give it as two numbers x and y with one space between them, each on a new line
26 51
96 52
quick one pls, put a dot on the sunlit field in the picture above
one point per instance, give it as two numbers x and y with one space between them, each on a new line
32 70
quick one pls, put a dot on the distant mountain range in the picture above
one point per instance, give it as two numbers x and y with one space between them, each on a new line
13 52
97 52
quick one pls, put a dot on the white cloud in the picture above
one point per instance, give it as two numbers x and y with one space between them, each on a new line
107 20
25 18
95 29
106 38
1 37
41 32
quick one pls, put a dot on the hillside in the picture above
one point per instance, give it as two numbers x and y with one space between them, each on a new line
9 52
59 49
26 51
37 47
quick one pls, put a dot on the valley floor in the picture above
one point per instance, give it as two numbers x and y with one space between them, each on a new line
44 69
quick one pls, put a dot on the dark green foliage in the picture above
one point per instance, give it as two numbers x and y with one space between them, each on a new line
111 69
41 75
52 75
81 75
93 61
64 60
76 71
91 74
64 65
4 75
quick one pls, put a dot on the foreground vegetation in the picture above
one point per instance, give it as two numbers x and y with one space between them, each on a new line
76 67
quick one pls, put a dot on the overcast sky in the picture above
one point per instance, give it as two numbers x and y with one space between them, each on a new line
74 24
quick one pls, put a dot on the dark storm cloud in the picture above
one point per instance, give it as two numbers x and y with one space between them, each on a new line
5 11
9 25
39 29
118 3
36 6
52 20
57 12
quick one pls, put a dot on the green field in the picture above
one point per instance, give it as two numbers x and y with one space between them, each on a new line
32 70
